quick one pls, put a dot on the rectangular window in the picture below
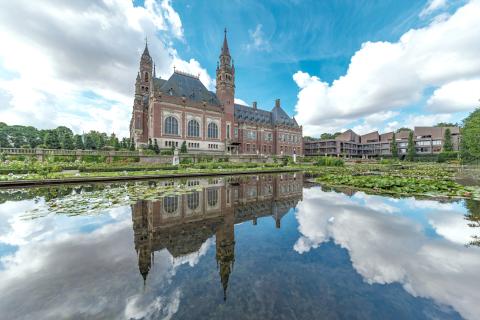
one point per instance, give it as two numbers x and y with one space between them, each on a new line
228 131
235 132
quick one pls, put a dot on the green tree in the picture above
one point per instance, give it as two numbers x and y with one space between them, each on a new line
62 133
51 140
470 146
68 142
132 145
183 147
89 142
116 144
403 129
150 145
79 142
410 147
4 143
155 147
447 141
445 124
394 147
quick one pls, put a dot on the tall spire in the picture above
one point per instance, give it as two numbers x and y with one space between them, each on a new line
225 50
145 51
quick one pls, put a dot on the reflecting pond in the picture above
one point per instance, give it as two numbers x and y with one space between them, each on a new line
240 247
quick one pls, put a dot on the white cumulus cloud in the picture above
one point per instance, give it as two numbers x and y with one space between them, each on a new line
74 63
386 76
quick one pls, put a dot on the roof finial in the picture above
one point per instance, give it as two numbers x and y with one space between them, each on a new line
174 69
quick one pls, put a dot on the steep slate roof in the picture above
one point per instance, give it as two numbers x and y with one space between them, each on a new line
279 116
275 117
188 86
245 113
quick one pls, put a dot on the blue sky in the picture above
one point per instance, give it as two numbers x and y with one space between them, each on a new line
366 65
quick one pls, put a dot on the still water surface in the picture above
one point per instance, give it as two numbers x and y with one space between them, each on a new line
255 247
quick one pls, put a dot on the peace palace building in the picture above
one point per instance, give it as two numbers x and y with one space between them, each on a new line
181 108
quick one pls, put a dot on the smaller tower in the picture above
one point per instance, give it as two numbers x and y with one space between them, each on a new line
225 250
138 123
146 66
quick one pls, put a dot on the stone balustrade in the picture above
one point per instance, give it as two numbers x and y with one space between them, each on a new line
41 155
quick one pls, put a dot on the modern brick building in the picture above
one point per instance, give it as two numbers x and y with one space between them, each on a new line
181 108
428 140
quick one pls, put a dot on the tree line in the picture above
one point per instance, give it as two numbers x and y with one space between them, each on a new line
17 136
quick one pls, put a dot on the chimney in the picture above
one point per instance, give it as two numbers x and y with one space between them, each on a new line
277 103
254 105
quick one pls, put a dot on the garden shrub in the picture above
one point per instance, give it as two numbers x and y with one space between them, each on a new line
329 162
446 156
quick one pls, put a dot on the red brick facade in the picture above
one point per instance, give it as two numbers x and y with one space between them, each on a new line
182 109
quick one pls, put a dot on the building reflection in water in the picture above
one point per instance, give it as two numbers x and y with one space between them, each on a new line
182 223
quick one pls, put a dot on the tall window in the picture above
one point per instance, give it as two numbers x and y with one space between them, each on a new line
171 125
170 204
193 200
212 197
212 130
228 131
193 128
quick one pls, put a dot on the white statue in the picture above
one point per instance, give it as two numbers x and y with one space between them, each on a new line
176 158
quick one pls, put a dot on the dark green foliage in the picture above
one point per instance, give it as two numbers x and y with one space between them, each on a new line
470 143
51 140
79 142
411 147
329 136
132 145
329 162
445 124
166 152
394 147
89 142
150 145
403 129
447 141
183 148
4 143
68 142
447 155
155 147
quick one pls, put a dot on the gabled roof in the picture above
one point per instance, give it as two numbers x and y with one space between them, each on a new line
184 85
279 116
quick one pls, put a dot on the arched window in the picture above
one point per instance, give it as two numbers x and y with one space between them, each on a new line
170 204
171 125
193 128
146 76
193 199
212 130
212 197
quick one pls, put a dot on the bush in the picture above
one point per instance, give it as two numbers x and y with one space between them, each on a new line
329 162
167 152
446 156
